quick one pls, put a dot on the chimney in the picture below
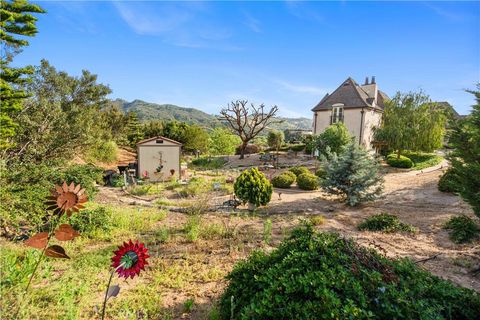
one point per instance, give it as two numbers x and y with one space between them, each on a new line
373 80
366 80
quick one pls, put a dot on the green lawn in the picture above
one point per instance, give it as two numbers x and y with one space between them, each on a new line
423 160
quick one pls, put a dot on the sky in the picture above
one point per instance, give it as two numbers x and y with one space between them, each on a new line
285 53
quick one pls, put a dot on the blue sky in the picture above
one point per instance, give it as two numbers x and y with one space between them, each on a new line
205 54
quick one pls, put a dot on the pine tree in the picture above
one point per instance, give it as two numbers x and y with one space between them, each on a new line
15 20
353 174
134 129
465 158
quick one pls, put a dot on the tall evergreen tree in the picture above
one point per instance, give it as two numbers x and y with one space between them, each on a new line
134 129
16 19
353 174
465 158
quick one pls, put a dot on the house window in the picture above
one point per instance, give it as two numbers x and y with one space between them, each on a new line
337 114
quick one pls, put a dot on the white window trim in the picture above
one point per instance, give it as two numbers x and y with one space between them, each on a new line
337 113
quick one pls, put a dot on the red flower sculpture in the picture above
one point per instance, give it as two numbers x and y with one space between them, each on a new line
132 257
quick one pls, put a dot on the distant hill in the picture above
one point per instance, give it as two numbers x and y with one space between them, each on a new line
152 111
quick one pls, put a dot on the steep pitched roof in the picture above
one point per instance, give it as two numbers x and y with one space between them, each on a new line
352 95
158 138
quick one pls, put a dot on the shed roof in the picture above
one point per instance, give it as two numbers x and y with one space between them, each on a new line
158 138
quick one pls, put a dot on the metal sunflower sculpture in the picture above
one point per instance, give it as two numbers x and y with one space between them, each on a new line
66 199
128 261
63 199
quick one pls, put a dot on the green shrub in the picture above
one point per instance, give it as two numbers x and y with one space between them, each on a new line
353 174
208 163
325 276
90 222
117 180
283 180
290 174
86 175
267 231
402 162
297 147
422 160
449 181
317 220
334 139
141 190
253 187
462 229
320 172
195 187
162 234
23 188
192 228
385 222
307 181
104 151
298 170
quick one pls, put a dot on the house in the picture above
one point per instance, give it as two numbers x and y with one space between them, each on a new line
359 107
158 158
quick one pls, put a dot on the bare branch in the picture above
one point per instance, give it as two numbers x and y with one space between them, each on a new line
246 121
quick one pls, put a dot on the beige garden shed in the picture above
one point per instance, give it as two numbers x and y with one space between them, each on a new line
158 158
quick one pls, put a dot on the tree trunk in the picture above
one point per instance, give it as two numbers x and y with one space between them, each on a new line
398 153
242 151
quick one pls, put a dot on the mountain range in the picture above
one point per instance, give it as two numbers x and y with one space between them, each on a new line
152 111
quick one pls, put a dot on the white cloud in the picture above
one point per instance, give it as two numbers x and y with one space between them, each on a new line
181 24
252 23
301 11
447 14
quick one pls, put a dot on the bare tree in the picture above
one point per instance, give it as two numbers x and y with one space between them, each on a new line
247 121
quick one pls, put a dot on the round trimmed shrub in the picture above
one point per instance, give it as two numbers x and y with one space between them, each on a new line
449 182
307 181
283 180
325 276
402 162
291 174
253 187
298 170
